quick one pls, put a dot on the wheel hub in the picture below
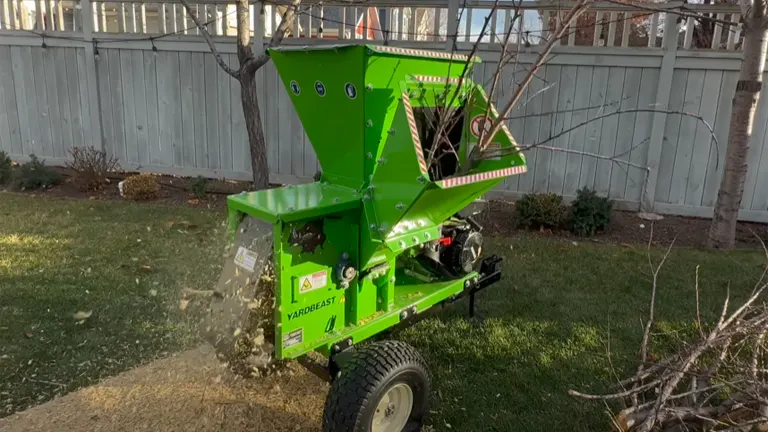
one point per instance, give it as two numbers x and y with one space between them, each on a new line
393 409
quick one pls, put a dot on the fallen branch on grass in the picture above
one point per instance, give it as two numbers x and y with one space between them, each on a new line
717 383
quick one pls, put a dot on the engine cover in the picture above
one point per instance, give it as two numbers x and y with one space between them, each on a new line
464 252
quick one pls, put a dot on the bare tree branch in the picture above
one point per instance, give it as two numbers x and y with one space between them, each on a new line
207 36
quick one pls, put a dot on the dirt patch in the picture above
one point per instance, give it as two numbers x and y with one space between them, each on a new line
191 391
174 190
498 218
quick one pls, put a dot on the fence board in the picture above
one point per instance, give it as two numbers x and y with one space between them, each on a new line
224 111
21 59
140 108
702 138
118 103
566 90
154 147
693 91
717 151
211 120
65 136
671 133
240 151
283 129
130 101
592 132
45 115
8 112
187 109
80 90
755 149
201 128
609 130
576 139
643 125
53 147
272 116
105 97
546 127
623 146
531 131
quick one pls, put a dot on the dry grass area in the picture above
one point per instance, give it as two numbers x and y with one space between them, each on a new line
186 392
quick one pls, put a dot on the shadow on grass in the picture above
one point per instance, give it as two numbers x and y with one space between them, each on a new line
123 264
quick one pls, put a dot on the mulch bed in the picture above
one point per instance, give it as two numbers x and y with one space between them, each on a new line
497 217
627 228
174 190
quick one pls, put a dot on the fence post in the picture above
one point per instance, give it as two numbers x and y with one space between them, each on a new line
452 28
92 77
669 46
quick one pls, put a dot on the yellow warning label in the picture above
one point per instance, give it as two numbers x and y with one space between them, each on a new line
313 281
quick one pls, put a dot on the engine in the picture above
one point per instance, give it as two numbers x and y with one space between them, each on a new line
458 250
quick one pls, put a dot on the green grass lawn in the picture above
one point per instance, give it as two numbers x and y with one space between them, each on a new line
124 263
544 330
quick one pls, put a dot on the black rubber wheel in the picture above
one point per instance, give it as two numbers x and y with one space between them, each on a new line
371 386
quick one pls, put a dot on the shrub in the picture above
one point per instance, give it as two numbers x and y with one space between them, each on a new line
6 168
199 186
141 187
590 213
34 174
540 211
91 167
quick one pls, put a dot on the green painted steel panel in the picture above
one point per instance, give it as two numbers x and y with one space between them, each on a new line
298 202
326 88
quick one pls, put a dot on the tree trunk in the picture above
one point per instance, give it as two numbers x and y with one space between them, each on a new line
249 98
722 232
256 143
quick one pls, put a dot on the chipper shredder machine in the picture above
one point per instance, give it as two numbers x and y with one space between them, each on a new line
378 239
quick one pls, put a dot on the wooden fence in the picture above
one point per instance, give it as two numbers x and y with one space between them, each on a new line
136 79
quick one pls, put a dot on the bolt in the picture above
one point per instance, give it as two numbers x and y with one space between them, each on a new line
290 186
427 236
402 244
369 87
345 255
467 283
335 200
421 179
366 197
392 279
421 223
369 123
371 187
373 226
291 208
415 239
403 314
399 206
382 161
369 155
391 131
336 348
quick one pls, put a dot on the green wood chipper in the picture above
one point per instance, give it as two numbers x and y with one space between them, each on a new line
379 238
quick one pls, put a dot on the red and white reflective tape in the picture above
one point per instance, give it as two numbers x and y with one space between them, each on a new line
414 134
435 79
423 53
473 178
504 126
